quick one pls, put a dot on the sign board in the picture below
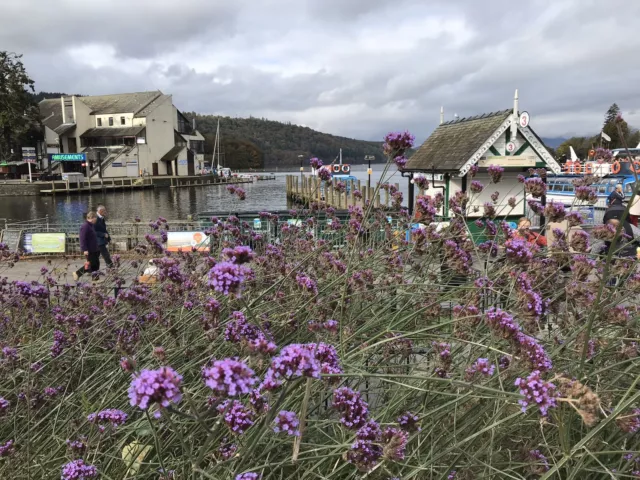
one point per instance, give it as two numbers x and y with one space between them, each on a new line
186 241
182 162
524 119
29 154
257 224
588 214
45 242
511 147
68 157
509 161
12 238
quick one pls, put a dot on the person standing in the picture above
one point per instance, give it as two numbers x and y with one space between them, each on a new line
103 236
616 197
89 246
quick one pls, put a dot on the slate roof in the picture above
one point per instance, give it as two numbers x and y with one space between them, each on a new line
113 132
64 128
453 143
51 112
120 103
173 153
160 99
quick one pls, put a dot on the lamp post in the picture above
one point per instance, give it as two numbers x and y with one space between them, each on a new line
368 158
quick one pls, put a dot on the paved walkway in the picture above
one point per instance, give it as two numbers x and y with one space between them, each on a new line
29 270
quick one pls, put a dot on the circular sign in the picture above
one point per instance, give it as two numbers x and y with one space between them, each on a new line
511 147
592 153
524 119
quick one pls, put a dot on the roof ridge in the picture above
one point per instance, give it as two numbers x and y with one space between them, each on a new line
482 116
158 95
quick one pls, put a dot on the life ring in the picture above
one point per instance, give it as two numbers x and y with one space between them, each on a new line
635 166
588 168
592 153
615 167
573 167
336 169
346 168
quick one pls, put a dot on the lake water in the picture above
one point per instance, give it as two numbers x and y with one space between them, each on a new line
174 203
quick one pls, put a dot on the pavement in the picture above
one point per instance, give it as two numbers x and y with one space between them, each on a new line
63 268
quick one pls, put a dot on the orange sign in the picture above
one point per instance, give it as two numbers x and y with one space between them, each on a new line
186 241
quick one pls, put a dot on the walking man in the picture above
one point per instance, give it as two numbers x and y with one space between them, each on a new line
103 235
89 246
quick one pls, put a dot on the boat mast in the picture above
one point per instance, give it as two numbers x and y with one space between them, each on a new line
340 156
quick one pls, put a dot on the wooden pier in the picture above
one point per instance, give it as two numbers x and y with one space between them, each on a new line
103 185
177 182
306 190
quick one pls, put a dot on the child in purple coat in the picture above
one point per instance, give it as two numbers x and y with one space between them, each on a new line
89 246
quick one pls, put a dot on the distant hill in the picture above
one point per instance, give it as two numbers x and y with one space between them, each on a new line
554 142
260 143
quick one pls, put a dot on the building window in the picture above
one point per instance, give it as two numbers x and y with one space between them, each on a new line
122 121
99 122
111 121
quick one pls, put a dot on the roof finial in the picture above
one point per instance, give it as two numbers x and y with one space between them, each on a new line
441 115
515 103
514 118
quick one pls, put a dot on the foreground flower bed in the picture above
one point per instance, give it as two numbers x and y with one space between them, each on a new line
300 360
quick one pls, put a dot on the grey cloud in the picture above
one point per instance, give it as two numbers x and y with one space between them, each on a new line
304 61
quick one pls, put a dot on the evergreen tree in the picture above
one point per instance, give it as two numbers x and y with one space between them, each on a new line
18 112
611 128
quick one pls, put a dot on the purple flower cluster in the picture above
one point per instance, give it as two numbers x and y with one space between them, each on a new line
295 360
535 186
370 431
400 161
78 470
395 442
111 416
236 416
397 143
495 172
324 174
307 283
425 206
77 447
554 211
238 255
519 251
503 324
248 476
481 366
409 422
315 163
537 392
7 449
364 454
161 387
227 278
330 326
230 377
476 186
421 182
538 457
287 422
4 405
586 194
355 411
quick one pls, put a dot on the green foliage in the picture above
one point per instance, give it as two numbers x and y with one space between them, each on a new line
260 143
581 145
18 112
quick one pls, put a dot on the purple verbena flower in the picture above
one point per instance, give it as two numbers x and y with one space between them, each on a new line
248 476
355 411
287 422
111 416
227 278
364 454
229 377
161 387
481 366
409 421
537 392
495 172
78 470
238 255
236 416
395 442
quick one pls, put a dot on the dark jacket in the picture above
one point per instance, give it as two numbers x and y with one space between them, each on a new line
615 198
101 230
88 238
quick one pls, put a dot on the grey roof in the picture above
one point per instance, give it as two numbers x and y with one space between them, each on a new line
113 132
51 112
453 143
152 106
173 153
64 128
120 103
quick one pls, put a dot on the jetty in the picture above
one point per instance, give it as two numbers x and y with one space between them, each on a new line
309 189
103 185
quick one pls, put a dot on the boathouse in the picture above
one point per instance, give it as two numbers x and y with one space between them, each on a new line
502 138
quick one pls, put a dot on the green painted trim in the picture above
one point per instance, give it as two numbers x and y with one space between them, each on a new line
507 138
495 151
523 148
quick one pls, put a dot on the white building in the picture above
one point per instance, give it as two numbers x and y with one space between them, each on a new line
123 135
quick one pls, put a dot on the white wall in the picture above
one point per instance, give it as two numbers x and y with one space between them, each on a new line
508 187
183 167
159 137
84 120
128 120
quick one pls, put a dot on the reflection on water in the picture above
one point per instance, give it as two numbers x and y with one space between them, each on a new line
174 203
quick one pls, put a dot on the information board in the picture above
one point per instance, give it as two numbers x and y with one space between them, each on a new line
45 242
12 239
186 241
68 157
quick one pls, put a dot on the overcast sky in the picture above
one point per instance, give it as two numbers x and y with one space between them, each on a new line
357 68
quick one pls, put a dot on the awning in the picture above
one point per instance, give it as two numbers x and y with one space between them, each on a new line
173 153
64 128
113 132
